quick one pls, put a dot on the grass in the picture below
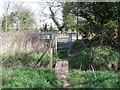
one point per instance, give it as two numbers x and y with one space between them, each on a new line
90 79
42 78
28 78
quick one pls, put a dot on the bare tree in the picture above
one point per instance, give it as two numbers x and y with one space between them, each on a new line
59 5
17 13
54 9
6 29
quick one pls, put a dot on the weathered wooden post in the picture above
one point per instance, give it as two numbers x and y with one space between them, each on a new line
51 53
55 44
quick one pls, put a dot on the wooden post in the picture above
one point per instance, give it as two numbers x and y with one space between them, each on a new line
51 53
56 47
55 44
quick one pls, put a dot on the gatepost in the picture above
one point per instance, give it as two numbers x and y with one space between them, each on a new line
51 52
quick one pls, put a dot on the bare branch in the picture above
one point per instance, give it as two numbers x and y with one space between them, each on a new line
6 29
54 19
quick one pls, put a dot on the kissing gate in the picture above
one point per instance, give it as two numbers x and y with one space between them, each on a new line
50 38
52 41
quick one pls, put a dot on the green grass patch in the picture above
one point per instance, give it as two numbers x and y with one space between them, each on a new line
90 79
42 78
28 78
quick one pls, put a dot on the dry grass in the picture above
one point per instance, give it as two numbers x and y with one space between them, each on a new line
21 41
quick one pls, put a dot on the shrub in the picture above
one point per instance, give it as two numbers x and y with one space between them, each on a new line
83 59
26 59
101 58
63 53
105 58
90 79
25 77
78 44
55 59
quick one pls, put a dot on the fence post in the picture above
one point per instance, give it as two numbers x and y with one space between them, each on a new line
55 44
51 54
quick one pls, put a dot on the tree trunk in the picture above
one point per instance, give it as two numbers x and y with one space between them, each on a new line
55 21
6 23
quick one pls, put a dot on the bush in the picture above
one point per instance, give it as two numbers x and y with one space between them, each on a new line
26 59
25 77
78 44
101 58
83 59
63 53
105 58
55 59
90 79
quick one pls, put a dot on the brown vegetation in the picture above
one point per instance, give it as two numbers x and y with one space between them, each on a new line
21 41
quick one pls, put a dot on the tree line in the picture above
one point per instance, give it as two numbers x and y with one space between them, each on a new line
100 20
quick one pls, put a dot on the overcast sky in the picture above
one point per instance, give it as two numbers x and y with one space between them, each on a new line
1 7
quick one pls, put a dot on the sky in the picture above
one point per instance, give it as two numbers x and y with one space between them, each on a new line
39 7
1 7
